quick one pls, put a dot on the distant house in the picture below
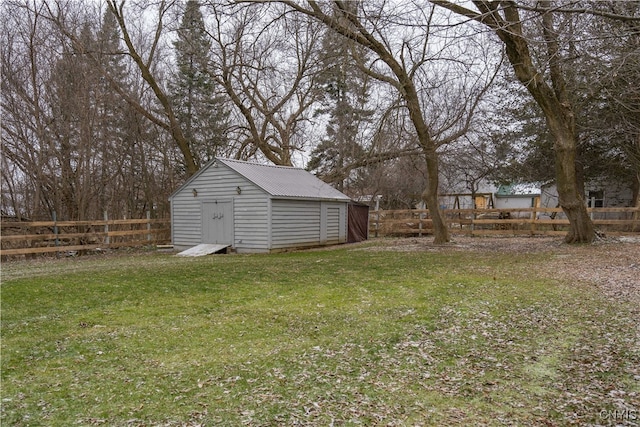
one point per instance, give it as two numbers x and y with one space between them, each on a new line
599 193
488 196
457 195
516 196
252 207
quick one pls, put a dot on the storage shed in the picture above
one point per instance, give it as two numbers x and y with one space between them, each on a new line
252 207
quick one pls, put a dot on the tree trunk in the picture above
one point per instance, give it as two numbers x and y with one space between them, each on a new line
349 26
636 190
430 197
428 145
559 117
581 228
561 121
556 106
504 19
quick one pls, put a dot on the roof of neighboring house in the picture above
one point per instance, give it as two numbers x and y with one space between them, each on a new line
519 190
280 181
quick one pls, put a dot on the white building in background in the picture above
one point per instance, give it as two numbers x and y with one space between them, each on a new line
490 196
599 193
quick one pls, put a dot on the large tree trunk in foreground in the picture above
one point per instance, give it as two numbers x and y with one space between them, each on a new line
551 95
570 198
558 111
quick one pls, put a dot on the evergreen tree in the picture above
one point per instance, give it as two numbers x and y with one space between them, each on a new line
72 102
198 107
346 93
112 151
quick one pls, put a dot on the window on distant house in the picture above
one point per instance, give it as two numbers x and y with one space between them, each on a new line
596 199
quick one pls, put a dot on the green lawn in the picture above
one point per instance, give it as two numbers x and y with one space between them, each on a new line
338 337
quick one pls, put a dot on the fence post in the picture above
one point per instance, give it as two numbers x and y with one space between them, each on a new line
55 231
107 241
148 226
377 214
533 220
472 225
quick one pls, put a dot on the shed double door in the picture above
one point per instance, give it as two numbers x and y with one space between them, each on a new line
217 222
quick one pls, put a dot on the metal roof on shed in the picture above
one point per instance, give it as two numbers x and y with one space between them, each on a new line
284 181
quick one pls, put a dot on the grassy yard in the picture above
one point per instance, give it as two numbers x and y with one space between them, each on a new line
339 337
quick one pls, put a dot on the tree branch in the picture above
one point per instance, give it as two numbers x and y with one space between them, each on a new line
173 125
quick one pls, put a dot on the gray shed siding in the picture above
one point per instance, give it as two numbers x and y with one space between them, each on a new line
251 224
297 223
294 223
334 223
278 208
250 209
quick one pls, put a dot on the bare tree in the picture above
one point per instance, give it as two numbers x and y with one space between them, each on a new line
268 64
404 56
28 145
70 144
601 65
145 61
169 122
549 89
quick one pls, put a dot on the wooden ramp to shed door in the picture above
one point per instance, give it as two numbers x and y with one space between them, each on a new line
203 249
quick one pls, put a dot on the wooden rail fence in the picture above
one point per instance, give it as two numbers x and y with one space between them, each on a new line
41 237
19 238
483 222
